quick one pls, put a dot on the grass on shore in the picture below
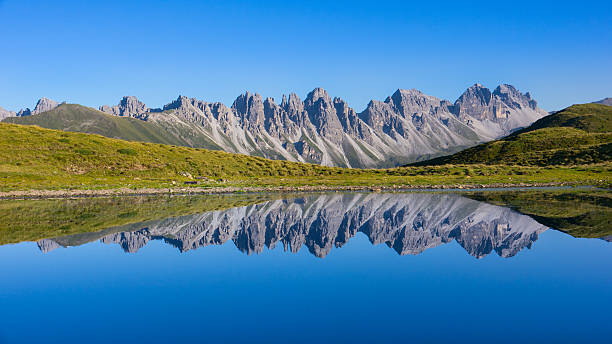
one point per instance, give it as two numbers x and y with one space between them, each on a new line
37 158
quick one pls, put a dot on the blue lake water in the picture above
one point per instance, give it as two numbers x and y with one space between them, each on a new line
347 268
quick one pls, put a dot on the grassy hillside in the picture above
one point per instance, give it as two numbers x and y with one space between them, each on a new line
580 134
78 118
37 158
582 213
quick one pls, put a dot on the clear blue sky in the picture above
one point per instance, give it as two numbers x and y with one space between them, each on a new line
93 53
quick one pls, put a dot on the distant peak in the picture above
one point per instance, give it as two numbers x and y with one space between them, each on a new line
316 94
248 102
44 104
402 95
476 91
269 100
505 88
128 106
291 103
407 93
46 100
247 97
129 98
181 101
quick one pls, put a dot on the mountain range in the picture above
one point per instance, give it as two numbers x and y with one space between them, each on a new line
407 126
409 223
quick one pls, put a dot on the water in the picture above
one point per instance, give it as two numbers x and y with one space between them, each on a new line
358 267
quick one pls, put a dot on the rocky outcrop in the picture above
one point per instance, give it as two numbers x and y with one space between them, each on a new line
128 107
495 114
407 223
406 127
44 104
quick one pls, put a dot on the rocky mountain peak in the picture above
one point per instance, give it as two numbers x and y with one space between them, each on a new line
269 101
408 102
250 109
292 104
475 95
505 88
504 105
316 95
474 102
181 102
129 106
322 113
477 87
404 93
45 104
245 102
512 98
24 112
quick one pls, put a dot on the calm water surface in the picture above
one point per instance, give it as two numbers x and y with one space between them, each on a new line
349 268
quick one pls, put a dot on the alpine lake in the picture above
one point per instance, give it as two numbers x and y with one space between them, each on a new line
504 266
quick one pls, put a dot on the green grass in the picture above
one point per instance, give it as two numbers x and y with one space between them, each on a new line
578 135
37 158
581 213
592 118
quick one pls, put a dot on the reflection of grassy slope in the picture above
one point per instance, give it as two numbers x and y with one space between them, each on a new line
29 220
580 134
584 213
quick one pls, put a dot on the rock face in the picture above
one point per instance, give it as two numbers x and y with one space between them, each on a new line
47 245
43 104
406 127
605 101
128 107
498 112
407 223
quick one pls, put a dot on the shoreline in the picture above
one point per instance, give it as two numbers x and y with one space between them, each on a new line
47 194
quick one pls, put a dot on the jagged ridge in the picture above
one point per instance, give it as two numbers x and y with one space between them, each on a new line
408 126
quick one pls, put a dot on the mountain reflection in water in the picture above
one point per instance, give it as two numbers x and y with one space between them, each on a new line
409 223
